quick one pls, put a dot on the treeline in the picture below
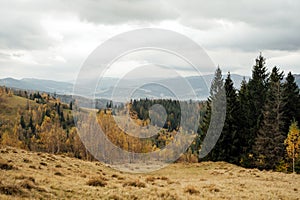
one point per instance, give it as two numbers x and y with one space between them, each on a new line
173 111
258 120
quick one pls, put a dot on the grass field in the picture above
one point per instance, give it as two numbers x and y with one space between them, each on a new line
10 105
31 175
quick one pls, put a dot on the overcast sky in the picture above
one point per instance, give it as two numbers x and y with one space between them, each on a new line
51 39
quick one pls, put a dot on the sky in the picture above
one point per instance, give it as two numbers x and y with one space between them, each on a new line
51 39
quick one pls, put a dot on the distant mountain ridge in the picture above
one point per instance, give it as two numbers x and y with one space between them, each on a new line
297 78
200 86
38 85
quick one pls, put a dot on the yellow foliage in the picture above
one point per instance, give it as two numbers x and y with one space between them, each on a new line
293 141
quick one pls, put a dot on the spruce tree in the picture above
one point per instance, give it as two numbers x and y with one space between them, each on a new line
214 117
244 125
227 147
22 122
231 123
257 89
292 99
269 145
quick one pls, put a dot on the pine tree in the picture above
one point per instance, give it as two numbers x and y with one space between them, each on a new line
257 90
230 130
204 123
71 105
216 111
227 147
245 140
22 122
292 99
269 146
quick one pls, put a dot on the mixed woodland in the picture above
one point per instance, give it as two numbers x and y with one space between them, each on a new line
261 128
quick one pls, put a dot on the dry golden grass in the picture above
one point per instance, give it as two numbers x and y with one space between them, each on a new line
10 105
44 176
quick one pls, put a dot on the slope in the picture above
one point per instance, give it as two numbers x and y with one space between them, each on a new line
30 175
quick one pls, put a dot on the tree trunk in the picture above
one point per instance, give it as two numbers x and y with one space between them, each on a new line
293 159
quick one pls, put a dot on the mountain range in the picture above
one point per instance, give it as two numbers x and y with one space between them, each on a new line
136 88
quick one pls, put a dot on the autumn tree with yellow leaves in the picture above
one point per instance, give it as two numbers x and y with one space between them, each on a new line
293 142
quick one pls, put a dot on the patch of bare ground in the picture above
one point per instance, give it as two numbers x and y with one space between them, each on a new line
30 175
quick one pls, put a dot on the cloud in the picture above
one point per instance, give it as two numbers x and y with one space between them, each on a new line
20 29
55 37
245 25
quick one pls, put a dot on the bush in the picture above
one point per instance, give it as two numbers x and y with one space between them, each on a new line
97 182
43 163
150 179
26 184
135 183
5 166
58 174
22 177
25 160
32 167
191 190
163 178
10 190
114 197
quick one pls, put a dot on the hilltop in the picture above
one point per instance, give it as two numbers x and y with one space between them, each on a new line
32 175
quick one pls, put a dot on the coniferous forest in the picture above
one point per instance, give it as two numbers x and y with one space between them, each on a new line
260 131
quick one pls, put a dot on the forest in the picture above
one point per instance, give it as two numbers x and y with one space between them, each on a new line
260 131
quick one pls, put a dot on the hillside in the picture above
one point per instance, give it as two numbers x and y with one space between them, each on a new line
31 175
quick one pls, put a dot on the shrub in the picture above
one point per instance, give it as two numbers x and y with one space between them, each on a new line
114 176
58 174
97 182
150 179
22 177
27 184
10 190
43 163
135 183
164 178
5 166
191 190
25 160
114 197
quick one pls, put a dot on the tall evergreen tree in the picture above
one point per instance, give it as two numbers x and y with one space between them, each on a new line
215 86
292 99
269 145
22 122
227 147
257 90
213 119
244 126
